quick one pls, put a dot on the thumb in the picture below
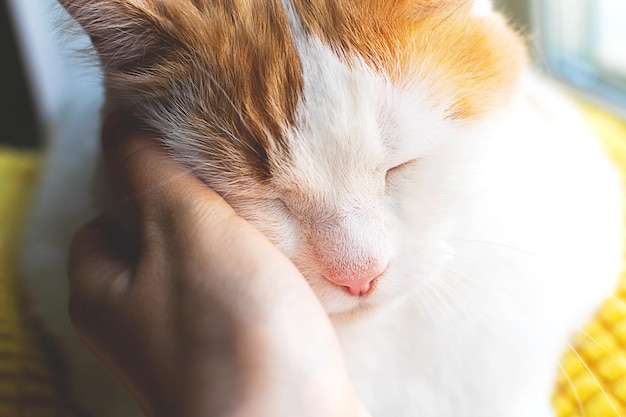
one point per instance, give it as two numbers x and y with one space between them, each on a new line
100 260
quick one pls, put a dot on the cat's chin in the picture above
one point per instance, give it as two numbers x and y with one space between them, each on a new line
352 314
341 306
380 302
358 308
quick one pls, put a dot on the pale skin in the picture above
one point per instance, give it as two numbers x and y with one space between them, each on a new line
192 309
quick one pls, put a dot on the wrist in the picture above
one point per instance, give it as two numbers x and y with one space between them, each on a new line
287 376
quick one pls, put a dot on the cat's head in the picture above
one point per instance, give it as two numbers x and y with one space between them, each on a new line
335 126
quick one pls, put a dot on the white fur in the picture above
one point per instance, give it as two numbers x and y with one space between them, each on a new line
482 7
493 238
500 245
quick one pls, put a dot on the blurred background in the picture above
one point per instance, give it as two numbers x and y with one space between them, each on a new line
581 43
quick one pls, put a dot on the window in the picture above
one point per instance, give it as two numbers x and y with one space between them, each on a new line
584 43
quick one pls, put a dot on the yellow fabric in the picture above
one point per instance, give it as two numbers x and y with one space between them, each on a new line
592 382
27 385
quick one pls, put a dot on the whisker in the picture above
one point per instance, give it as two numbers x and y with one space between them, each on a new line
565 340
595 379
595 341
506 246
438 308
446 313
456 255
581 408
619 300
487 285
424 304
468 280
509 294
448 290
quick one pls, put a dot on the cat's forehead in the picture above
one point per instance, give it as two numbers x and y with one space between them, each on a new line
351 56
459 46
353 125
338 136
232 73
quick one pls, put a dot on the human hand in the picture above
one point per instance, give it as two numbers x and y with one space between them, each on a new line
192 309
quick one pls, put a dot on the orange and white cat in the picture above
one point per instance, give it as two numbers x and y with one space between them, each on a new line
453 215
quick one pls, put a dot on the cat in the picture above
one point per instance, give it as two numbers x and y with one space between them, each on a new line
450 210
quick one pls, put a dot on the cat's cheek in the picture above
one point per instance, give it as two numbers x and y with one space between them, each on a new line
283 231
420 227
272 219
429 264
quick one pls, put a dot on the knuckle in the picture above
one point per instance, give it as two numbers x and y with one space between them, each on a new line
76 311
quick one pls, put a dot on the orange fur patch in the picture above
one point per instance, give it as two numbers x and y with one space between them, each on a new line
474 59
231 65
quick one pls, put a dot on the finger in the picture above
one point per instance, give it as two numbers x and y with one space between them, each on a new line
99 256
100 270
131 155
145 173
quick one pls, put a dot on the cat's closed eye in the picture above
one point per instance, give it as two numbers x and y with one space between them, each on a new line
399 168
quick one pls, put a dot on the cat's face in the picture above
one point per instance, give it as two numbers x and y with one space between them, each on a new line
336 127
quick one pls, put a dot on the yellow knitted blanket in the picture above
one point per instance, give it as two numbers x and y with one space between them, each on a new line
28 384
592 381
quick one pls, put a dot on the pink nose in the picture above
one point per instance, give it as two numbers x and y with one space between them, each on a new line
357 286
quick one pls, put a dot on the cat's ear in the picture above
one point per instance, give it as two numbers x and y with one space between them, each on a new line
123 31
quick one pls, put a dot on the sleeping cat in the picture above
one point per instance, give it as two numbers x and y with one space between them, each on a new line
453 215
